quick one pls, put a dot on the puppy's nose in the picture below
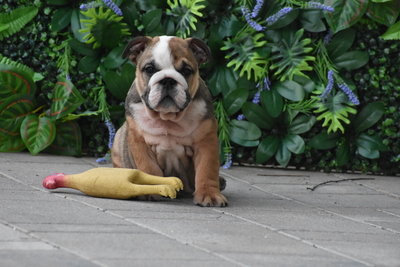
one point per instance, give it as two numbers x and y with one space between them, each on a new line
168 82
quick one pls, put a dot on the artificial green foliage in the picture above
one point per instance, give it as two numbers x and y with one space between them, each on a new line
185 13
14 21
295 83
290 55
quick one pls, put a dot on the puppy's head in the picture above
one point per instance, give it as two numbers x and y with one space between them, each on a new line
167 73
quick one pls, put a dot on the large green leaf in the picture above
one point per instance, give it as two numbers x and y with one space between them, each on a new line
301 124
384 13
341 42
131 14
351 60
11 143
272 101
244 130
68 140
66 98
283 155
294 143
77 25
368 153
89 64
114 58
13 111
234 101
152 19
346 13
223 80
311 20
373 142
61 18
290 90
16 20
119 83
324 140
257 115
14 81
368 116
84 49
37 133
393 33
343 153
267 148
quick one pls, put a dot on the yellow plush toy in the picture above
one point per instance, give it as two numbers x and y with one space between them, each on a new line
115 183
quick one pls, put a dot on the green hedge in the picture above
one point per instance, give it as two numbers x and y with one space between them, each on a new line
310 84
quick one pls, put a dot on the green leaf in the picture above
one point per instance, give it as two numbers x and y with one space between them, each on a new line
11 143
384 12
13 111
368 116
131 14
61 18
77 25
368 153
83 49
283 155
68 140
89 64
393 33
267 148
351 60
66 98
234 101
324 141
343 154
294 143
223 80
151 20
37 133
346 13
257 115
341 42
373 142
16 20
290 90
301 124
119 83
114 58
272 101
311 20
15 81
244 142
244 130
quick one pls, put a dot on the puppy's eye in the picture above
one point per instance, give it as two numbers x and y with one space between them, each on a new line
187 72
150 70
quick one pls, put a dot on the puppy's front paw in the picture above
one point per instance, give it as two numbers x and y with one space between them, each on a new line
209 197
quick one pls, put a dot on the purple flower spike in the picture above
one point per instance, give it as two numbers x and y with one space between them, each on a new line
352 97
317 5
228 161
274 18
250 21
113 7
257 8
329 87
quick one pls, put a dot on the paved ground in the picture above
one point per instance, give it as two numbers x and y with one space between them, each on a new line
272 220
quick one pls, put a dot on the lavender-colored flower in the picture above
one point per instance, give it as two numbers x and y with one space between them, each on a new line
105 159
329 87
274 18
267 84
250 21
328 37
256 98
257 8
113 7
68 77
89 5
228 161
111 130
83 7
241 117
352 97
320 6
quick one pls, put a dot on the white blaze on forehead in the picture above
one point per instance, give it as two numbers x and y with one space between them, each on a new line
162 53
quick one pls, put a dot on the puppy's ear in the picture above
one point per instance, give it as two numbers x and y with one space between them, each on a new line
135 48
200 50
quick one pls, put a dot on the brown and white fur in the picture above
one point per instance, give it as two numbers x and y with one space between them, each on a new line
170 128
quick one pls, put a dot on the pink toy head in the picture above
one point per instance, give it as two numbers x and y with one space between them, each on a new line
53 181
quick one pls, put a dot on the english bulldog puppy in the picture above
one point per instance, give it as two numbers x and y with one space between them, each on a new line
170 127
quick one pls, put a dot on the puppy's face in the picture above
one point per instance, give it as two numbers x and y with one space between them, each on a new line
167 73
